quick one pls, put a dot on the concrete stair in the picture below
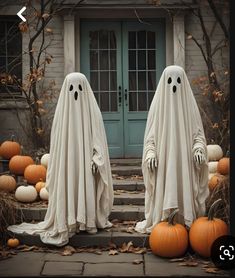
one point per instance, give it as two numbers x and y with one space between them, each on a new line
128 206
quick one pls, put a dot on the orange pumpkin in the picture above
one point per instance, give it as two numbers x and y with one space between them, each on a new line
213 182
168 239
18 163
35 173
13 242
39 185
9 148
223 166
205 230
7 183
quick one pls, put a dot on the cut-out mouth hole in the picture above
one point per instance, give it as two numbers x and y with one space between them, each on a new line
174 89
76 95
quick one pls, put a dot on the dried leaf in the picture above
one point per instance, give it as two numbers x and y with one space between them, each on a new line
188 263
26 248
137 262
212 270
112 245
142 250
49 30
68 250
113 252
129 230
45 15
176 260
125 247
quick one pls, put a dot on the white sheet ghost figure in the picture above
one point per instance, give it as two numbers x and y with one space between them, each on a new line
174 162
79 177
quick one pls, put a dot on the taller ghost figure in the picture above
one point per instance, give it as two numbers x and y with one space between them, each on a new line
174 163
79 177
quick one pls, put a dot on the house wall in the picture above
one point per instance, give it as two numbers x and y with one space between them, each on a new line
194 64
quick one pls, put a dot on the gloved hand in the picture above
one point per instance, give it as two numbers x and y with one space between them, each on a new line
199 156
152 163
94 168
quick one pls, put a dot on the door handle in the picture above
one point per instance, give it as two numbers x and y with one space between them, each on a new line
126 97
119 95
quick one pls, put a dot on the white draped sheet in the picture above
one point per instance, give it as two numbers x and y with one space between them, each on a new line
173 132
78 200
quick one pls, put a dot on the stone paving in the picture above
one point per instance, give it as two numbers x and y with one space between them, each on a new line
41 264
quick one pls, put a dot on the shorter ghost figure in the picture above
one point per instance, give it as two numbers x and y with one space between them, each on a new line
79 177
174 163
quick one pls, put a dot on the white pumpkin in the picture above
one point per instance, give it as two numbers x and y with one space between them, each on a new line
45 159
210 176
44 194
26 193
215 152
212 166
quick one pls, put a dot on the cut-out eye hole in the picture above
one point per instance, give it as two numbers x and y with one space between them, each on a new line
80 87
169 80
71 87
179 80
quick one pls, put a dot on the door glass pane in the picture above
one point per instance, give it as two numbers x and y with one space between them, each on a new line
104 101
112 59
132 40
142 80
103 68
141 68
113 101
112 40
93 39
132 80
141 60
104 80
132 101
113 81
93 59
141 38
103 39
104 60
151 40
132 59
142 104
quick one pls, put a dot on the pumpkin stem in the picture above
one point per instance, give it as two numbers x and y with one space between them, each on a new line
13 137
213 208
172 216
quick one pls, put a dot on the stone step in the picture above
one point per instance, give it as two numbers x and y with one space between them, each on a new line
102 238
128 198
120 212
126 170
126 161
128 184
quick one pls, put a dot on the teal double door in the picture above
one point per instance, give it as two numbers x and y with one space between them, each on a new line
123 62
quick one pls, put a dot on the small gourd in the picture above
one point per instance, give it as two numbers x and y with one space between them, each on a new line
45 159
44 194
13 242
